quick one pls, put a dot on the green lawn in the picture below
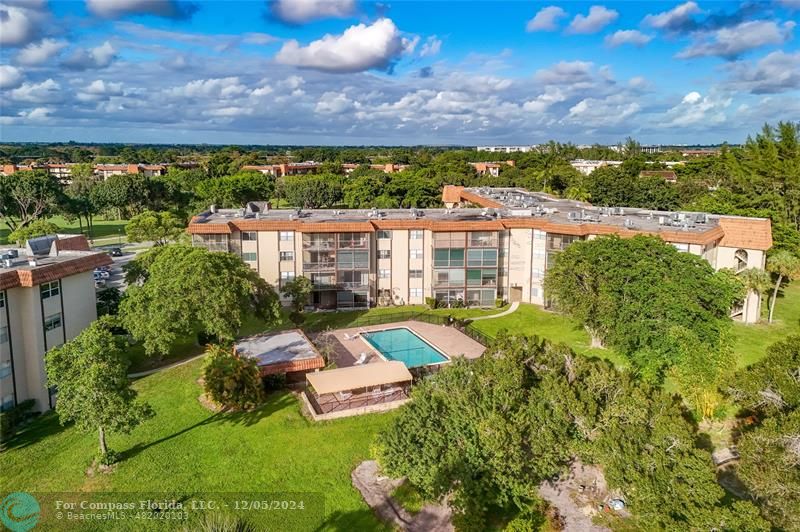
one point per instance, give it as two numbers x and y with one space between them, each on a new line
533 320
187 450
102 228
751 341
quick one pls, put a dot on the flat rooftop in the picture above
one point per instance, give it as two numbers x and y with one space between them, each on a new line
280 352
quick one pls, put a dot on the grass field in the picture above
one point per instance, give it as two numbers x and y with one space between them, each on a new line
751 341
186 450
102 228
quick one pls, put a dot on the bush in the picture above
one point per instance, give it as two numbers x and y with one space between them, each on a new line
275 381
231 380
111 457
11 419
431 302
499 302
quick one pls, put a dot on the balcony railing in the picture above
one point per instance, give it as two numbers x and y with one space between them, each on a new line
318 266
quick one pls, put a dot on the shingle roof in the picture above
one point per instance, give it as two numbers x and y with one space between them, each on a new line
750 233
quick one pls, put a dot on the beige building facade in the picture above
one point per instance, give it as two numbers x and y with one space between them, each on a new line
46 299
487 244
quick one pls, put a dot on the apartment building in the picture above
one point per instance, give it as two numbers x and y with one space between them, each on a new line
283 169
507 149
586 166
487 243
491 168
47 297
63 171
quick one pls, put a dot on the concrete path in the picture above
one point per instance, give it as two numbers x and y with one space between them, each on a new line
514 306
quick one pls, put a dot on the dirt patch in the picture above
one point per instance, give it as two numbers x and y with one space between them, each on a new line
578 496
377 489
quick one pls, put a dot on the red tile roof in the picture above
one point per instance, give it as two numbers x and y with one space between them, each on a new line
305 364
750 233
29 276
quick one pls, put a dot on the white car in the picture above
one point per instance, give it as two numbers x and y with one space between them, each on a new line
101 274
99 283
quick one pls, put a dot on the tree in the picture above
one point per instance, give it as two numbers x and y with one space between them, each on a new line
186 289
108 301
312 191
299 290
489 432
236 190
157 227
644 298
232 380
26 196
90 373
785 266
769 449
36 228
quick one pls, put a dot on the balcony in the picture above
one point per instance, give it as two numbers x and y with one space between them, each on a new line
319 266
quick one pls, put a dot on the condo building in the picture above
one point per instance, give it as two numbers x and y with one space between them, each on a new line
487 243
47 297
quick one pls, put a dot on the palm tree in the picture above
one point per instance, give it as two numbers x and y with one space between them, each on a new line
786 266
755 280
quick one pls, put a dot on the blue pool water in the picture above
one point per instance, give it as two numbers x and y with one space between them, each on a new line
405 346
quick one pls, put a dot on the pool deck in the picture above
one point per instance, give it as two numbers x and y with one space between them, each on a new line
448 340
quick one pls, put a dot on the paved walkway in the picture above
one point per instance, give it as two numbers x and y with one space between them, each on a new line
514 306
162 368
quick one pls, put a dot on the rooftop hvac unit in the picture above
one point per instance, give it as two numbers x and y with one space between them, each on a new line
662 220
7 262
619 211
629 224
572 215
701 218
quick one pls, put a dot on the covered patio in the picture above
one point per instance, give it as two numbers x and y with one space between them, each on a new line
357 389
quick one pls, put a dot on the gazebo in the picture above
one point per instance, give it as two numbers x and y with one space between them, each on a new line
359 389
289 352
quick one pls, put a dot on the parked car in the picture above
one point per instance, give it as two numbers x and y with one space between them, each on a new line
100 275
103 269
115 252
99 283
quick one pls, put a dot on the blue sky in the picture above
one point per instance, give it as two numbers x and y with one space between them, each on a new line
349 72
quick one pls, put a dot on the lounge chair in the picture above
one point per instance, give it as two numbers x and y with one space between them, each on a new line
361 359
344 396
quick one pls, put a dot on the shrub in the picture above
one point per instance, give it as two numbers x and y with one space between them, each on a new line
499 302
231 380
11 419
431 302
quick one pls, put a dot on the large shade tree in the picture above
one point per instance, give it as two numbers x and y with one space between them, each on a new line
489 432
182 289
26 196
90 373
157 227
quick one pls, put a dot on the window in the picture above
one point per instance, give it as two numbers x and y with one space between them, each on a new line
249 236
3 334
384 235
384 254
352 240
285 278
211 242
52 322
49 289
384 274
5 370
249 257
537 273
482 239
450 240
448 258
535 292
415 292
415 234
286 236
740 258
681 247
287 255
482 257
449 277
352 260
416 253
8 402
481 277
415 274
2 299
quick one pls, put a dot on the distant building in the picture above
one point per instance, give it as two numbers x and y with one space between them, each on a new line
492 168
586 167
388 168
47 297
63 171
705 152
507 149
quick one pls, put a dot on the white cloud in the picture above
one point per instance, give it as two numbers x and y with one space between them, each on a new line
634 37
675 19
596 112
20 23
99 90
229 87
432 46
790 4
44 92
333 103
9 77
777 72
730 42
38 53
92 58
302 11
543 102
546 19
359 48
37 114
565 73
160 8
598 18
696 109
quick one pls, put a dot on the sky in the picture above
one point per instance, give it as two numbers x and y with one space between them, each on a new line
345 72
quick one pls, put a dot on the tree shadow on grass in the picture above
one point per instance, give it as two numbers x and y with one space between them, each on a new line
354 520
38 429
274 403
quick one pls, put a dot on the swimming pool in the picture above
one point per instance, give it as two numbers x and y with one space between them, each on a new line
403 345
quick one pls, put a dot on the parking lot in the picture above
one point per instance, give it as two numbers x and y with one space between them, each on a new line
116 278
